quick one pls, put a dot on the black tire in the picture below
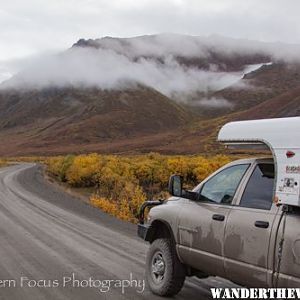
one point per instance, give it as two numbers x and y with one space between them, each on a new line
162 258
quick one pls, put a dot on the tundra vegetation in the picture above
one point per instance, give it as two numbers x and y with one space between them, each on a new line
120 184
3 162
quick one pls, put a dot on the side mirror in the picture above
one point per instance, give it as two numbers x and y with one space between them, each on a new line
175 185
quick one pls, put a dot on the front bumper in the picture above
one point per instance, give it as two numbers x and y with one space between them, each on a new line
144 230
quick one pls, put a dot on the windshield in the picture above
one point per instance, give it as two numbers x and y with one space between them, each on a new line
222 186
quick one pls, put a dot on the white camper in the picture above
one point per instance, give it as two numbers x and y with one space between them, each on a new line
282 137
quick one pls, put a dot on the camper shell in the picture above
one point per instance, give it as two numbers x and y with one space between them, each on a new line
282 137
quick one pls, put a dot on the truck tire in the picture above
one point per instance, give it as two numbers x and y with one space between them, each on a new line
165 274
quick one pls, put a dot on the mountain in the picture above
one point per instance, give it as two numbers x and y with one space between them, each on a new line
205 53
263 84
166 93
72 118
201 136
286 104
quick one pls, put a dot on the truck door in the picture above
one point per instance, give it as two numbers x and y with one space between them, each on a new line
202 223
249 227
289 268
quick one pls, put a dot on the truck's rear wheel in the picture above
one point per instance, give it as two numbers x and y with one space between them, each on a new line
165 274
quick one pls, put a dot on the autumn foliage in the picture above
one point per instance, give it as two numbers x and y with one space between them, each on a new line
3 163
122 183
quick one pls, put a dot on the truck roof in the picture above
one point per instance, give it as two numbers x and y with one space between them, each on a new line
252 160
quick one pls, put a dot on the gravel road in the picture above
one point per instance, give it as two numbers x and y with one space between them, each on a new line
53 246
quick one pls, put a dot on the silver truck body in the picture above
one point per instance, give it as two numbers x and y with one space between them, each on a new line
233 248
241 223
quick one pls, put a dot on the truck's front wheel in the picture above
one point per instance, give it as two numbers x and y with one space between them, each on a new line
165 274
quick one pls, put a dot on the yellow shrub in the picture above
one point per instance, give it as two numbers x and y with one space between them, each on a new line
59 165
123 182
83 170
104 204
3 163
126 207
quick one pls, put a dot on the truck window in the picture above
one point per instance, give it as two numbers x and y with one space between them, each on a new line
222 187
259 190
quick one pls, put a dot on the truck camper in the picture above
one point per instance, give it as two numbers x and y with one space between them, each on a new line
241 223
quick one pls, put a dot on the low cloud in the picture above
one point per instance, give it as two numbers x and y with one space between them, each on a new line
114 66
5 74
162 45
107 69
153 61
214 103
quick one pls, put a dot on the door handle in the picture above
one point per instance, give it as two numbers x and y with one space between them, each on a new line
261 224
218 217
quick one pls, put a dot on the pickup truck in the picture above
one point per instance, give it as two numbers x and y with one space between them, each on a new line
231 225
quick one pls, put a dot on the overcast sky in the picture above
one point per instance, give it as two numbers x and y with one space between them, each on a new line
37 26
31 26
